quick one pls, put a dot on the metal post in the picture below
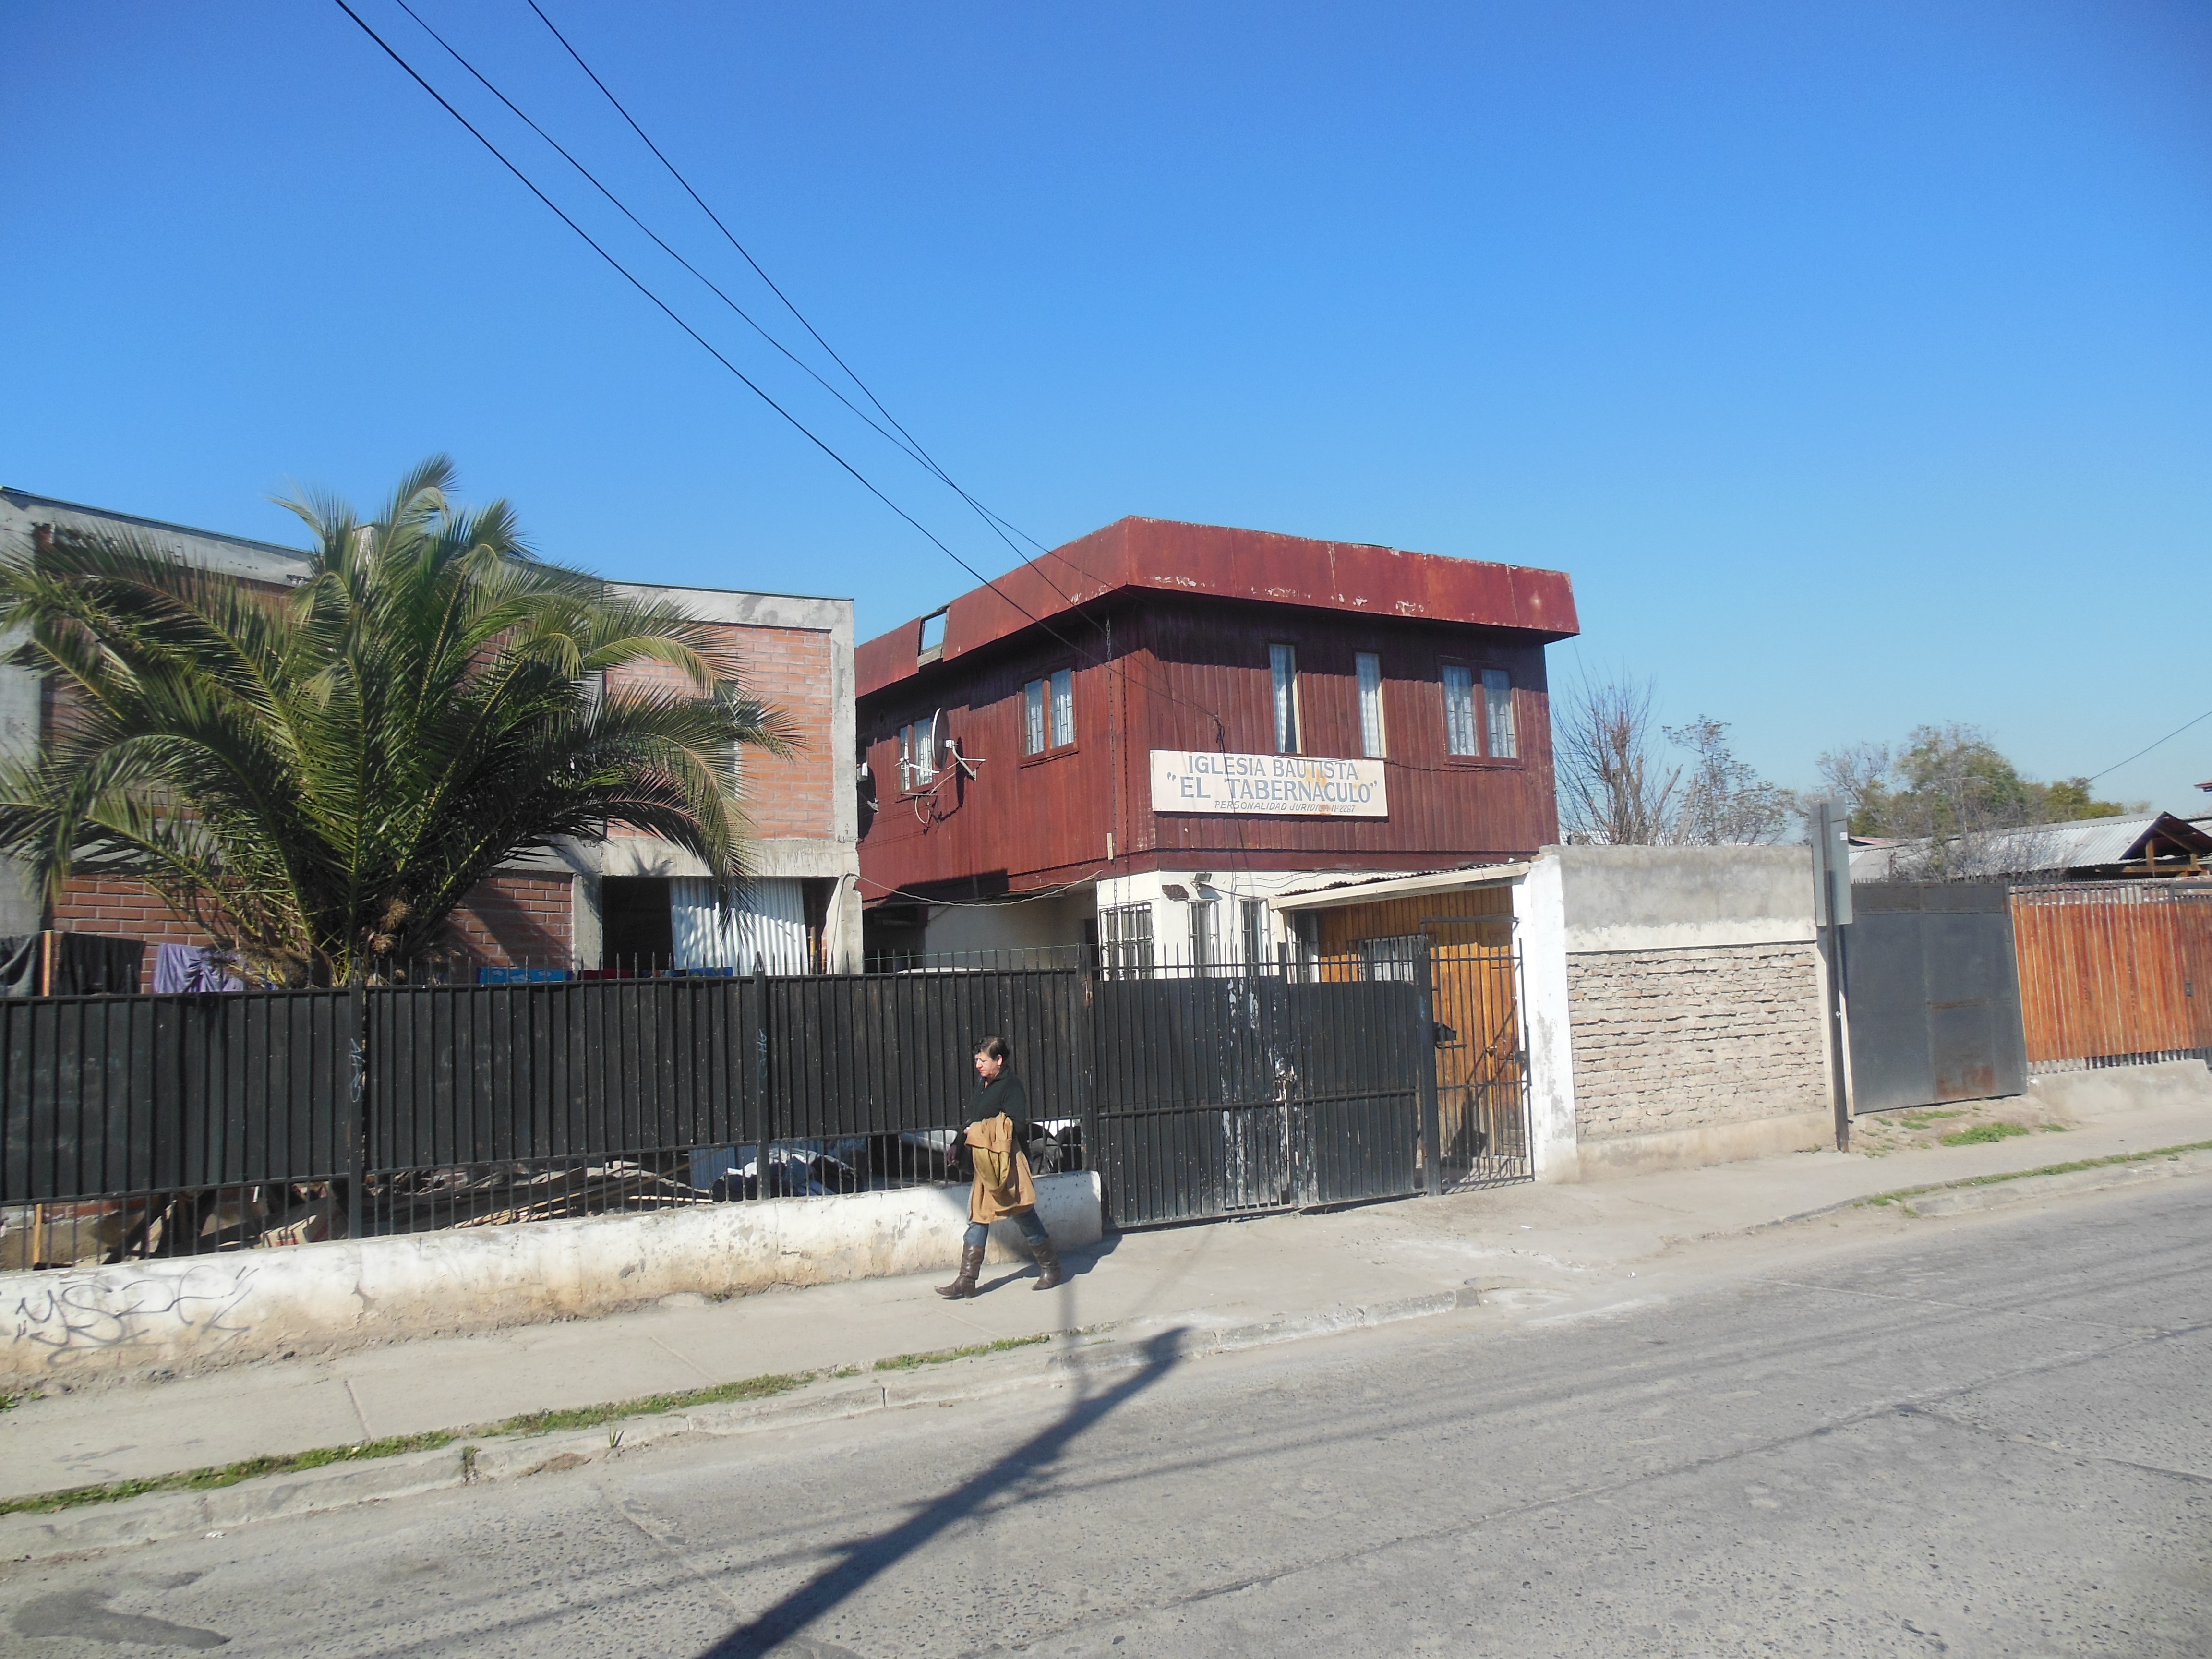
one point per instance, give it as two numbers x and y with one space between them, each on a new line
1831 895
1425 1060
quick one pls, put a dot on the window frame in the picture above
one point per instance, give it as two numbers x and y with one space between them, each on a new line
1044 684
1512 752
1254 935
1204 936
1283 699
1446 667
916 776
1479 757
1377 745
1126 950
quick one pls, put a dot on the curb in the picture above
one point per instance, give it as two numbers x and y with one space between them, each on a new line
1962 1200
1972 1193
160 1515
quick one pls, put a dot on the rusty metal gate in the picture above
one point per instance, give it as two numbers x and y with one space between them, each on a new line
1932 993
1219 1094
1481 1065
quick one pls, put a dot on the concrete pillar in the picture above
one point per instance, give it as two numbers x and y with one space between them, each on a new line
1539 913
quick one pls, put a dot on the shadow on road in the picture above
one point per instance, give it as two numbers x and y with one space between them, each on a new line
864 1559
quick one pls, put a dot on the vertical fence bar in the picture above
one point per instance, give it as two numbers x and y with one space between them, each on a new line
358 1224
1425 1069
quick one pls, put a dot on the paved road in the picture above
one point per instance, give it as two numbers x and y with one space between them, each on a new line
1986 1438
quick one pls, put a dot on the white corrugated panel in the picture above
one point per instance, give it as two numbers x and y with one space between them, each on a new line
767 926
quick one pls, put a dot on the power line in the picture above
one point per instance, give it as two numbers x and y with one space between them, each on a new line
729 235
906 447
1000 525
705 345
2147 748
916 451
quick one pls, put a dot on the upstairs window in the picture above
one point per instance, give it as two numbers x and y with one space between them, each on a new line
933 637
918 754
1461 736
1370 706
1497 709
1283 660
1048 713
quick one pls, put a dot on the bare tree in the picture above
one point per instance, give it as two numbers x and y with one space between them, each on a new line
1615 790
1725 802
1960 809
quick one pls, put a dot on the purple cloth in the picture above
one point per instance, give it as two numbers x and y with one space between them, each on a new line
180 967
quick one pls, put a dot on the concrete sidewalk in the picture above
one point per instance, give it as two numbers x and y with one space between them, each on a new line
1282 1272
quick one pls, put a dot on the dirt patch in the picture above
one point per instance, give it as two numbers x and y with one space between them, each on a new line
1962 1123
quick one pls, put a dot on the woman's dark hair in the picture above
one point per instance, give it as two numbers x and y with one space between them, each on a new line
995 1048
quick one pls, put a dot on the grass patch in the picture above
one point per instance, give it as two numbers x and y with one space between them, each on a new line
1920 1120
651 1405
907 1362
1982 1134
1904 1192
230 1475
227 1474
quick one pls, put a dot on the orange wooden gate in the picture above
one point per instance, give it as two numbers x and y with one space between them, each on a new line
2114 971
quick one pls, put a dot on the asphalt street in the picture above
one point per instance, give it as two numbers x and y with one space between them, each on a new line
1988 1437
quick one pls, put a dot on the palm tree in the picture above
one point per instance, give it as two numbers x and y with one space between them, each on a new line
316 777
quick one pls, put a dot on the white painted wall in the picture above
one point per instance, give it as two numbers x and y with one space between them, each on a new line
1539 917
81 1324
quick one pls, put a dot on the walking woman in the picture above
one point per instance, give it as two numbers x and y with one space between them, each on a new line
1003 1186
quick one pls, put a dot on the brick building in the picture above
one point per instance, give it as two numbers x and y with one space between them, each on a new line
1141 738
627 900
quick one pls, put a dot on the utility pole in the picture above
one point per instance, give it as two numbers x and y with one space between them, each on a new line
1832 914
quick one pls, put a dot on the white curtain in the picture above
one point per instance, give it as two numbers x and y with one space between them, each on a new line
767 924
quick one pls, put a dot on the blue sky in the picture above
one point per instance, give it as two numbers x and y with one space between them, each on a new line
1856 360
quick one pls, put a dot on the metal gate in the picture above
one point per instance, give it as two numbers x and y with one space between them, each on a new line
1482 1065
1224 1094
1933 995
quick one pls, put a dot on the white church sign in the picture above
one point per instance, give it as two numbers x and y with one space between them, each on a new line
1278 786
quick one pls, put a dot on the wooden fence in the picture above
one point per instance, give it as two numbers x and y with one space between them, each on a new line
2114 973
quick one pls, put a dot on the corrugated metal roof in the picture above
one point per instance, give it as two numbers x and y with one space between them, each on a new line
2084 843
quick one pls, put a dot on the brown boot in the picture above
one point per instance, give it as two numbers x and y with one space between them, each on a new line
971 1263
1049 1273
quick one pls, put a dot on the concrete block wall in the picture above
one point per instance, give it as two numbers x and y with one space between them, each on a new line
1694 1039
1673 1007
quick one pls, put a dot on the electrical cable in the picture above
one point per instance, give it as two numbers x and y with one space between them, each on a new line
917 452
911 446
2147 748
997 524
700 339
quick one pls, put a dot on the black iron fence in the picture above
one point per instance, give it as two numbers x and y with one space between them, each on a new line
173 1125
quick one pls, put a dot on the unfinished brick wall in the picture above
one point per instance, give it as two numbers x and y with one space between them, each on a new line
1694 1039
790 668
122 909
512 919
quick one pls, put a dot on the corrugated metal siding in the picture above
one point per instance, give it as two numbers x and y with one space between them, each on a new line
2110 969
1195 676
1209 661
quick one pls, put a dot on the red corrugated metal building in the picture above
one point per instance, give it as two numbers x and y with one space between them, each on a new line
1165 714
